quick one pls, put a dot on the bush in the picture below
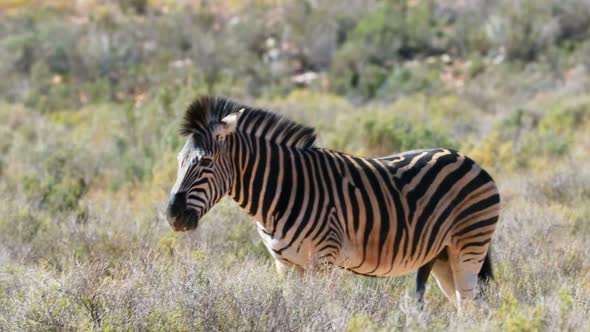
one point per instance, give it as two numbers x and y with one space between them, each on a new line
516 32
60 188
567 184
22 227
407 80
386 134
566 116
526 138
381 39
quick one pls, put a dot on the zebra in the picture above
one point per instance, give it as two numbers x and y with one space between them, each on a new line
433 211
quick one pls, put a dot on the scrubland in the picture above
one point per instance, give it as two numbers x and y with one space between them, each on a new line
90 101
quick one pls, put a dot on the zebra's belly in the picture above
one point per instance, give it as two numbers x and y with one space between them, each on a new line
351 257
298 254
355 259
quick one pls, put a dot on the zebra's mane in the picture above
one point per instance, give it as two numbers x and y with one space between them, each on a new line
206 112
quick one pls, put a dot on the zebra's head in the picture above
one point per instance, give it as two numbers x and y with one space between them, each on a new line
204 166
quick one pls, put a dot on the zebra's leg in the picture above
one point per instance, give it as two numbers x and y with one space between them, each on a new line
442 272
284 268
467 253
465 269
421 279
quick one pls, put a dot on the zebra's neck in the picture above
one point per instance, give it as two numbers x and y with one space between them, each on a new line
263 177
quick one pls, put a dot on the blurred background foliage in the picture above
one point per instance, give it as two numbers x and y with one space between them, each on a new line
90 100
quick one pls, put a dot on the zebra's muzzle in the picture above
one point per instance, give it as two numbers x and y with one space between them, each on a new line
185 222
179 217
176 205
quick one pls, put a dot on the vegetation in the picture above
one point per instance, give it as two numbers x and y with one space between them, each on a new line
90 101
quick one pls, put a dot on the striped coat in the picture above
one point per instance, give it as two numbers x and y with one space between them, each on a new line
431 211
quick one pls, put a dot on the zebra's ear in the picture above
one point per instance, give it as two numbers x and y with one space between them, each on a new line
228 125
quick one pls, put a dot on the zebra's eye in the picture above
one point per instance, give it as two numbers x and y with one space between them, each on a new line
206 162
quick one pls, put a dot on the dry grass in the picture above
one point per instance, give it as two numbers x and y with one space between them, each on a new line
200 281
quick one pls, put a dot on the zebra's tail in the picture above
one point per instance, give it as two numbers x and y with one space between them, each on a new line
486 273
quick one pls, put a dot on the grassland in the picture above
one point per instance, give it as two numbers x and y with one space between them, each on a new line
90 102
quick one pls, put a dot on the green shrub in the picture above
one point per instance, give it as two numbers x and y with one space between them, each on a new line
59 187
386 134
528 139
22 227
380 40
515 318
543 145
566 116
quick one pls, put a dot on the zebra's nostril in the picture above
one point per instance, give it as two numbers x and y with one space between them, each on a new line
176 205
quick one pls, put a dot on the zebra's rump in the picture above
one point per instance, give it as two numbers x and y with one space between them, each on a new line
411 206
